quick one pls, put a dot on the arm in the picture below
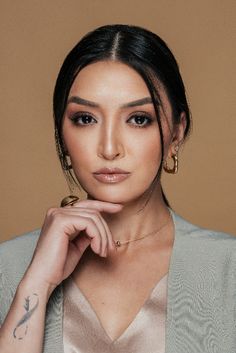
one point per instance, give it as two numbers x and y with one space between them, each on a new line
23 328
65 235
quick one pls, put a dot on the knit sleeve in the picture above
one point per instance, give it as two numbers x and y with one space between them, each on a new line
1 296
15 257
7 291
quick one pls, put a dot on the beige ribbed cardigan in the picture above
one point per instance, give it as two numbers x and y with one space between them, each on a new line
201 301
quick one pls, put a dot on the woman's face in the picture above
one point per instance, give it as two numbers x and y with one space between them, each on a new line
111 133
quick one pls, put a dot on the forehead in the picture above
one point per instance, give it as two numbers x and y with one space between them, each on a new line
106 77
114 82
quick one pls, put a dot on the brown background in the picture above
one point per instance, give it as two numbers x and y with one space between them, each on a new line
35 37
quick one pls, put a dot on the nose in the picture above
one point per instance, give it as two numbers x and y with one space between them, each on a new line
110 145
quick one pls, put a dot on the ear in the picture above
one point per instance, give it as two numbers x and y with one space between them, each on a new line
178 136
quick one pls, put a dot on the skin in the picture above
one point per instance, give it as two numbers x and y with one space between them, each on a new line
109 137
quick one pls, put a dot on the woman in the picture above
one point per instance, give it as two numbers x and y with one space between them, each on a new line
120 271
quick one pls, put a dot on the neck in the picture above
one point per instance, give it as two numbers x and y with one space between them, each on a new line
137 219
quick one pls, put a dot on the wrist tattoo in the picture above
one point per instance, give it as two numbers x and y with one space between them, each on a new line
22 326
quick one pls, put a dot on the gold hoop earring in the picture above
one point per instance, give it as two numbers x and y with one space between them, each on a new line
175 167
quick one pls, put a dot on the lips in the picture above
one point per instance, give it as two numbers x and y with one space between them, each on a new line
111 175
111 171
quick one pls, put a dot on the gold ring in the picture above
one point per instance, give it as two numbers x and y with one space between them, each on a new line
69 200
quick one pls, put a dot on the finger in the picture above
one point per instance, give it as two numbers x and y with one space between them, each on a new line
81 243
97 218
71 224
111 242
107 239
76 249
100 206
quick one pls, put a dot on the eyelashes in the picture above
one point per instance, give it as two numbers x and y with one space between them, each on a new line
139 120
83 119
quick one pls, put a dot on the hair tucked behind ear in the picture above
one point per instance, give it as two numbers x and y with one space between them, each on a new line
137 47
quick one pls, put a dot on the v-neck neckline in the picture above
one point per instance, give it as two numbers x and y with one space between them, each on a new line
150 297
96 319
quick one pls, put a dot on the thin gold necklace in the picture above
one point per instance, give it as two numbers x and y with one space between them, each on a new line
118 243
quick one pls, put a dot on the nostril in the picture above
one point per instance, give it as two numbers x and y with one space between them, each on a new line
109 155
110 146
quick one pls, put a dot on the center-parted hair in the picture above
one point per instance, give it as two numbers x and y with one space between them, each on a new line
136 47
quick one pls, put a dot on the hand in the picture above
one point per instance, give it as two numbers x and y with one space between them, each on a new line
65 235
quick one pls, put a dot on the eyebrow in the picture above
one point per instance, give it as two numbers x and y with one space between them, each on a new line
82 101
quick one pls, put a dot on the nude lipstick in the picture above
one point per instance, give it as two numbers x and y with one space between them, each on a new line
111 175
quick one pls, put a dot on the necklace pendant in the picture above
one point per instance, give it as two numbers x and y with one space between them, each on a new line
118 244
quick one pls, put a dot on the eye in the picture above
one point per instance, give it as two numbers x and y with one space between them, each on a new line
140 120
82 119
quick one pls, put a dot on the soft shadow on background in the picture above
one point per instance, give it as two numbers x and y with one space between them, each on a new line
36 36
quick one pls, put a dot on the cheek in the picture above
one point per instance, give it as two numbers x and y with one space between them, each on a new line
154 148
77 145
153 158
80 153
167 128
148 154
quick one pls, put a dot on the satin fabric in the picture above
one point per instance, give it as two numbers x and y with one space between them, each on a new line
83 332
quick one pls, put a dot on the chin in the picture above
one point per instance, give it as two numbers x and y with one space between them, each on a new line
106 197
120 193
116 197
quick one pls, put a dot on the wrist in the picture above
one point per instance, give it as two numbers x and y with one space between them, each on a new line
30 284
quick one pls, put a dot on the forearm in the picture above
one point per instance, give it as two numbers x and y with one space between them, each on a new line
23 328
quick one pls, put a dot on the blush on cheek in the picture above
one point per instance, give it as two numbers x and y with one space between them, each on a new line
80 176
154 153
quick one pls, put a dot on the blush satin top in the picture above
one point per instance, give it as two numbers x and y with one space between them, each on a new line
83 332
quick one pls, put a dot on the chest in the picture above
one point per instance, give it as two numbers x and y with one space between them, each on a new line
117 295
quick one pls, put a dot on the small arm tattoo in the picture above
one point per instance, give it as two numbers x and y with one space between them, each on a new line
22 326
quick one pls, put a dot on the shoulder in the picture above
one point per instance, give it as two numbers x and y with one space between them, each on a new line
186 228
16 254
203 257
196 237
